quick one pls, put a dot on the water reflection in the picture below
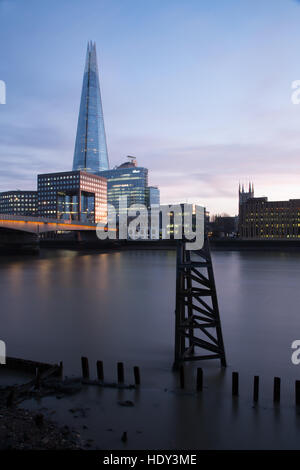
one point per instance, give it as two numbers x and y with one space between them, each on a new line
120 306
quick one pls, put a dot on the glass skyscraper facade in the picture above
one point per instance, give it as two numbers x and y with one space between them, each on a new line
128 180
153 196
90 153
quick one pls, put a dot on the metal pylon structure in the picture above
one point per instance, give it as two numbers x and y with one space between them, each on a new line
198 332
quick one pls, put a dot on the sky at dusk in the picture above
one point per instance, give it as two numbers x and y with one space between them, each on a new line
198 90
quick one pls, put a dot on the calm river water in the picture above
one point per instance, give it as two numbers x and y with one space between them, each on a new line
119 306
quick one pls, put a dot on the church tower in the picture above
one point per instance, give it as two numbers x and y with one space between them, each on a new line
245 195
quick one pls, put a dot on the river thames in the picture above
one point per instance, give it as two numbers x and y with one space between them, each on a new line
119 306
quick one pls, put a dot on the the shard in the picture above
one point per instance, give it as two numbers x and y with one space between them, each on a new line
90 147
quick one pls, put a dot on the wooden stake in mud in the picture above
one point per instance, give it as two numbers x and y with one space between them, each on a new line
85 367
120 367
256 388
100 371
276 390
199 379
235 384
137 377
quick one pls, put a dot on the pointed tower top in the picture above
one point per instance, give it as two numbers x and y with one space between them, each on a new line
91 58
90 152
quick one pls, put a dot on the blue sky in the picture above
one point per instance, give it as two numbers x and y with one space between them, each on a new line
198 90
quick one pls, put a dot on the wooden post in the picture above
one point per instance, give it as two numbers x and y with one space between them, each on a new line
10 399
199 379
85 367
61 370
100 372
120 367
297 392
276 390
137 377
256 388
37 385
235 384
181 376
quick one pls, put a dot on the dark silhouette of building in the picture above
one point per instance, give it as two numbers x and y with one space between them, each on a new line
223 226
245 195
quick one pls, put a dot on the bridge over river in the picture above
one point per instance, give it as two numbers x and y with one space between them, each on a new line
21 232
41 224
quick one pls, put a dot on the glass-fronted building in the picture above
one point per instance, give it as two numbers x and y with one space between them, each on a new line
128 180
153 196
18 202
90 152
72 195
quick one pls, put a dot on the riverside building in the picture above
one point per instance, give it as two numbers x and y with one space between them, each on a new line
72 195
127 180
18 202
263 219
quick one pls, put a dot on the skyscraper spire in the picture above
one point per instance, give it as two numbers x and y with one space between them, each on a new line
90 147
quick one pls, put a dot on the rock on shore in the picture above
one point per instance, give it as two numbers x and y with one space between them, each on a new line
23 429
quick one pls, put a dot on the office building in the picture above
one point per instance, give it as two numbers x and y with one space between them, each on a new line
72 195
18 202
153 196
263 219
181 220
127 180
